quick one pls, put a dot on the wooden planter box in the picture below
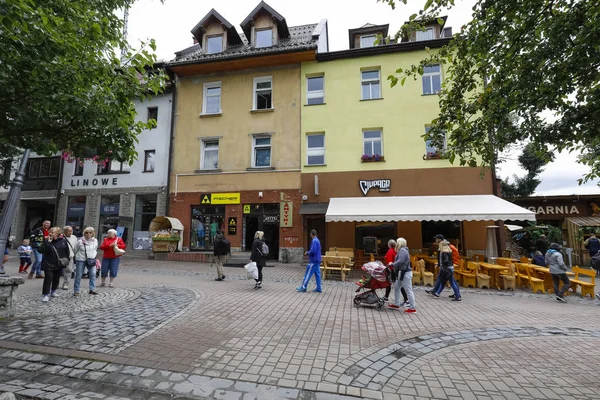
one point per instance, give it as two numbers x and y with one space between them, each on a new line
165 246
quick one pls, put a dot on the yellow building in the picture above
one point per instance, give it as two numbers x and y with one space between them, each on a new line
362 138
236 138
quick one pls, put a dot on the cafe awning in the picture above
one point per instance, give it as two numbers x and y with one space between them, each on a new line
425 208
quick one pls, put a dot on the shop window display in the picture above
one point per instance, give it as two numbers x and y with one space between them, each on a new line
205 221
366 231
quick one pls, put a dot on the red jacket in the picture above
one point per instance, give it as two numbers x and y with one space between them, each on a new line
455 254
390 256
107 246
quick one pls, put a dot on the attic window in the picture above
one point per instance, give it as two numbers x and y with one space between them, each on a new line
264 38
367 41
214 44
425 35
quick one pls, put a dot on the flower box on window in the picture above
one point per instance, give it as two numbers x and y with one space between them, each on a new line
431 155
373 158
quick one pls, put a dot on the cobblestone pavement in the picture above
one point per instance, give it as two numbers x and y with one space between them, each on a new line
309 345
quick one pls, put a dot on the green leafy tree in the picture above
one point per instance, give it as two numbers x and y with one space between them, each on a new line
520 71
533 161
64 86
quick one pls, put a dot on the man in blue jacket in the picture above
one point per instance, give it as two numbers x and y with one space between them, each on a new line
314 264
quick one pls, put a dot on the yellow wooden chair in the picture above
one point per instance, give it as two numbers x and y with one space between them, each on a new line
587 288
469 276
458 270
525 260
483 280
417 277
427 276
508 279
524 275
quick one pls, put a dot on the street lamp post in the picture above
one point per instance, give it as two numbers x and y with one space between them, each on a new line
10 205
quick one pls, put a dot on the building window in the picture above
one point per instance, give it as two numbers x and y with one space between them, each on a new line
114 167
145 211
109 214
367 41
78 168
315 149
315 90
432 79
211 103
370 85
214 44
43 168
261 152
152 114
76 213
149 160
264 38
263 93
209 159
432 151
425 35
372 143
206 221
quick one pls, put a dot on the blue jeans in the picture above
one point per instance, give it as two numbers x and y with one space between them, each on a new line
37 265
312 269
80 267
109 265
445 275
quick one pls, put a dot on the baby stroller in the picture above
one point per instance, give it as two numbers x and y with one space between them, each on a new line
377 278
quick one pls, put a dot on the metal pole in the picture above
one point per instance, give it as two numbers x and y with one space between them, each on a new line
10 206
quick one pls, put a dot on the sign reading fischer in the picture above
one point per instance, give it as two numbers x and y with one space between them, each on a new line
220 198
383 185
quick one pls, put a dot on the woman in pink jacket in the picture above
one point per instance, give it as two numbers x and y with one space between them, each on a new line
110 261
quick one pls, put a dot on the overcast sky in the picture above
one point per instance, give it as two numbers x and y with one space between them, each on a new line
170 25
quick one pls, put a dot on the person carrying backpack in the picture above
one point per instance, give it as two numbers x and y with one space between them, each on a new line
221 247
592 244
260 250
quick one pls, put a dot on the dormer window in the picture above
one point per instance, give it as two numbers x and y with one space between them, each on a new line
425 35
367 41
214 44
264 38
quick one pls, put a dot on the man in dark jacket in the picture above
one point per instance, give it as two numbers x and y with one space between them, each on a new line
541 244
36 239
592 244
220 251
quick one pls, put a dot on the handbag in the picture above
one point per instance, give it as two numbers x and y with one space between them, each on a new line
63 262
117 250
89 262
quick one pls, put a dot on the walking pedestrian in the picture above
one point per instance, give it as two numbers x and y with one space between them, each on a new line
439 238
24 251
389 258
86 250
69 269
558 270
403 270
314 264
37 238
110 260
55 256
446 271
258 256
592 244
221 248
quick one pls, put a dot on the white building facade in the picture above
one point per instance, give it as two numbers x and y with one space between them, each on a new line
120 196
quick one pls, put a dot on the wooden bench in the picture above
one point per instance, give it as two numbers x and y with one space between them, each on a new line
524 274
342 264
586 287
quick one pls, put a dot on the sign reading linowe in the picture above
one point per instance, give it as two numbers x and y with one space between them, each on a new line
383 185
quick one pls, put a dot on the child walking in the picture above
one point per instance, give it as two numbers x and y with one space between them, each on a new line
24 251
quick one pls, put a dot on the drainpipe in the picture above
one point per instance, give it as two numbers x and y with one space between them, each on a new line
173 110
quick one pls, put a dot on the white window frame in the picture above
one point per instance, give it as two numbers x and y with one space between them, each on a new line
256 32
211 37
367 37
203 150
372 140
76 166
315 94
427 127
315 151
425 35
211 85
255 146
257 80
429 76
370 81
146 161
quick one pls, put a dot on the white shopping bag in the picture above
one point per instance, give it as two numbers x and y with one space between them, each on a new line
252 270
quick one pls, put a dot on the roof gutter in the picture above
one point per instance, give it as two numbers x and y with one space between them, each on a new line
385 49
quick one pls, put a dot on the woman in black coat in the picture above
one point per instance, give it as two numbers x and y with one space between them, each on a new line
53 248
258 257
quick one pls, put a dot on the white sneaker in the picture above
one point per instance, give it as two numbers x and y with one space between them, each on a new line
598 296
55 294
45 299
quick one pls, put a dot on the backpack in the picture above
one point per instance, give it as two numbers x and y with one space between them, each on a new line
264 250
596 261
226 246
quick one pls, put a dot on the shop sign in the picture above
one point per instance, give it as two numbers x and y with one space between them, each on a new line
383 185
94 182
76 210
270 219
285 210
220 198
246 208
232 226
109 209
554 210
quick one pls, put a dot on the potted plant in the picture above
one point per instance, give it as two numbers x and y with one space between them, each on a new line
373 158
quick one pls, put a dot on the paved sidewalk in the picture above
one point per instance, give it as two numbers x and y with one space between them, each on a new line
227 340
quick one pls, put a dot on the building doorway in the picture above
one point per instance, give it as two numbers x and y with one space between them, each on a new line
262 217
37 213
318 224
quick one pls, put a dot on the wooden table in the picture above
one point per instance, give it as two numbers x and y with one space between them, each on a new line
547 276
430 262
506 260
494 272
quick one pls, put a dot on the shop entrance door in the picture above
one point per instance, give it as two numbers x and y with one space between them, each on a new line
36 214
272 239
319 225
250 227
